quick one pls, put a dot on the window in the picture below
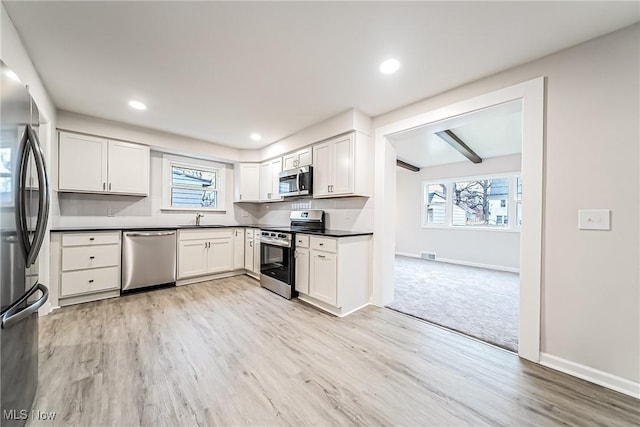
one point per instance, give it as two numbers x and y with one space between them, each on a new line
519 201
6 184
434 203
479 203
486 202
190 184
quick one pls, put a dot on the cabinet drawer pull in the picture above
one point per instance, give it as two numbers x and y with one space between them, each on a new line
90 280
92 257
92 238
320 256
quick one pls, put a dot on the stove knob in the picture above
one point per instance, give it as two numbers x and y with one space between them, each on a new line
282 236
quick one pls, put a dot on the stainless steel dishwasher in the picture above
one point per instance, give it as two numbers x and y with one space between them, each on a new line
148 258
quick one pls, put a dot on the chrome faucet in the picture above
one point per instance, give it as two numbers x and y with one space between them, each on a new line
198 216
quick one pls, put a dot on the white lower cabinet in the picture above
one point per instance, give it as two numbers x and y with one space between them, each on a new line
323 280
238 248
302 270
334 273
85 266
252 252
193 258
204 251
256 253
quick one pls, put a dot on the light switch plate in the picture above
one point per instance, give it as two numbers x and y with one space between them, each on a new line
594 219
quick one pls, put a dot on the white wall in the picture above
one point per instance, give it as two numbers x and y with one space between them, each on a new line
491 248
14 54
591 292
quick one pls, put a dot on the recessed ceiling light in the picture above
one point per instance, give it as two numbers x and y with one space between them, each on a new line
137 105
12 75
256 136
389 66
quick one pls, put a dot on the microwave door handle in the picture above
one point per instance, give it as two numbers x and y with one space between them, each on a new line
43 197
299 183
20 189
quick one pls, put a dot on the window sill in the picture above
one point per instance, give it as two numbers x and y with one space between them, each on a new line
193 210
471 228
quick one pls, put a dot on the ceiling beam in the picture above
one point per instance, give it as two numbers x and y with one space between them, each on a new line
453 140
408 166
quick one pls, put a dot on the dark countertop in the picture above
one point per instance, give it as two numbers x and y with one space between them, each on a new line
284 229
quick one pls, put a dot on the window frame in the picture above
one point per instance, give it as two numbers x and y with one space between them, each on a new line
169 161
510 227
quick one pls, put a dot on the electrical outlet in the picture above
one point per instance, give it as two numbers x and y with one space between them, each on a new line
110 212
245 214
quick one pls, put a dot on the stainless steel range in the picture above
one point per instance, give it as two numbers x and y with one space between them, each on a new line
277 263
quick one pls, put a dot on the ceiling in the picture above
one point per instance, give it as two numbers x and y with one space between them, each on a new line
492 132
219 71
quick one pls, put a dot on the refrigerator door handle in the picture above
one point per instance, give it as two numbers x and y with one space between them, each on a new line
43 197
20 188
15 314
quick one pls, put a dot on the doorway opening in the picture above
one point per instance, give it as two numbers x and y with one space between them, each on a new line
530 98
458 219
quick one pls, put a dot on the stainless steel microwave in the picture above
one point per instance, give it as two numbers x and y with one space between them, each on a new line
296 182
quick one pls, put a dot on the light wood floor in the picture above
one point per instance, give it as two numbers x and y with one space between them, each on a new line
227 352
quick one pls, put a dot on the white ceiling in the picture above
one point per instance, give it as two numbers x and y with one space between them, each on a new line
492 132
219 71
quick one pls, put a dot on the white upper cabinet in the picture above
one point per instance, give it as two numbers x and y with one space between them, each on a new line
128 168
248 182
82 163
343 166
96 165
303 157
270 180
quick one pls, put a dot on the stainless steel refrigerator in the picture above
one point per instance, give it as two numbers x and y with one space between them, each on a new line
24 210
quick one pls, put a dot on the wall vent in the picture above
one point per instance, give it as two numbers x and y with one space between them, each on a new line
428 255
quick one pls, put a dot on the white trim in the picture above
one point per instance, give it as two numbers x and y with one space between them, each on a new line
596 376
408 255
477 264
531 94
466 263
205 278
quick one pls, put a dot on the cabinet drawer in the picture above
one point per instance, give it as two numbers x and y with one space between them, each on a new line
226 233
302 241
88 281
323 244
89 239
81 257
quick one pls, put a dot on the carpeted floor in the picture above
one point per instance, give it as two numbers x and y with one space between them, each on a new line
478 302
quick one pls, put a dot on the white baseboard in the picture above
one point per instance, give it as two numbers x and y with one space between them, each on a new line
592 375
466 263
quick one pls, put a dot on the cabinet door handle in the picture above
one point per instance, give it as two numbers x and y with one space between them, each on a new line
109 186
240 197
104 186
